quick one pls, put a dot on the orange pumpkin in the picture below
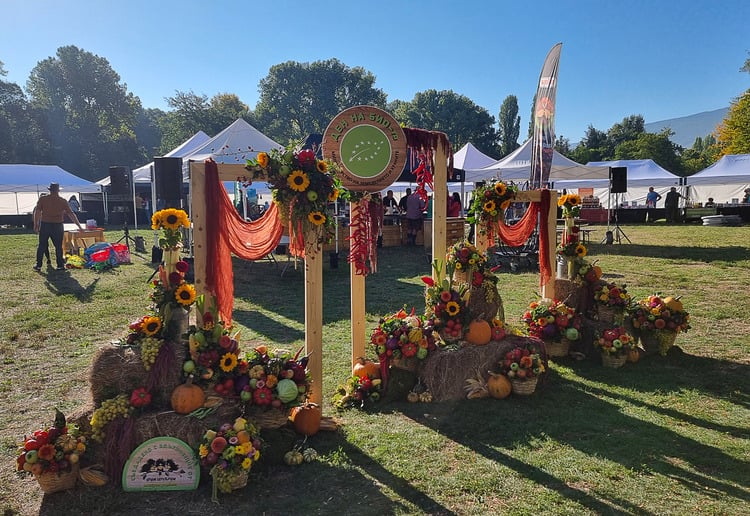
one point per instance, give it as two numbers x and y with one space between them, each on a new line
597 271
187 397
634 355
306 418
674 303
363 367
480 332
498 386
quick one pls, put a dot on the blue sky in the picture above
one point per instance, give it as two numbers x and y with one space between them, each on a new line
660 59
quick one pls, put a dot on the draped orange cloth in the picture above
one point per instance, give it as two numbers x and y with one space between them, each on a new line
517 234
227 233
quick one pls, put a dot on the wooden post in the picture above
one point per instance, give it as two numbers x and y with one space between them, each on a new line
357 301
439 203
314 315
198 219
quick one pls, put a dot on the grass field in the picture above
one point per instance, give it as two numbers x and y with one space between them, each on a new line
663 436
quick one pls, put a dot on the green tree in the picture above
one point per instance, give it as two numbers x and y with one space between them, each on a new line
21 138
89 116
703 153
148 132
455 115
629 129
593 147
734 131
509 123
655 146
746 66
299 99
562 145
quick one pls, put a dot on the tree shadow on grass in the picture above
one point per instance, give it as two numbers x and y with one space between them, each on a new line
62 283
728 254
278 331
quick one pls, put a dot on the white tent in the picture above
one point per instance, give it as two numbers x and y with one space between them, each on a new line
724 181
469 157
516 166
20 186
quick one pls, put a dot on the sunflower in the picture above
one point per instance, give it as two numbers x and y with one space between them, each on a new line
322 166
574 199
500 189
156 221
262 159
228 362
316 218
489 206
333 195
581 250
562 200
151 325
171 219
298 181
202 451
185 294
452 308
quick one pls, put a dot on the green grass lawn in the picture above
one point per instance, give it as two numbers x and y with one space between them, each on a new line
663 436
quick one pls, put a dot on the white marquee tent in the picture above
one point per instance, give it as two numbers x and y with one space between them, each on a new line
469 157
20 186
725 181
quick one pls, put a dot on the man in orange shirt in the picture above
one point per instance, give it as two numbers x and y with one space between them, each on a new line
49 215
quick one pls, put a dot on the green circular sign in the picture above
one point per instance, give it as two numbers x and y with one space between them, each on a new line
369 147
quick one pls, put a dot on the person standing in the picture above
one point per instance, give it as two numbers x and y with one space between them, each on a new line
671 203
414 208
454 205
49 214
75 206
402 201
652 197
389 203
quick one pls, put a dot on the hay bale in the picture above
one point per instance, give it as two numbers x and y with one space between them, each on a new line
445 371
183 427
115 370
485 303
571 293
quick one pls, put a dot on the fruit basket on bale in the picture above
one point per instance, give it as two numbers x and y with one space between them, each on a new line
610 302
657 320
524 366
553 322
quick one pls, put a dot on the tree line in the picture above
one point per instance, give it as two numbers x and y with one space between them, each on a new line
76 112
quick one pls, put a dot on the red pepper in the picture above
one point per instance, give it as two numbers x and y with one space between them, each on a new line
140 397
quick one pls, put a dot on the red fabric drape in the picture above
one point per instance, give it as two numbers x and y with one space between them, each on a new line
517 234
226 233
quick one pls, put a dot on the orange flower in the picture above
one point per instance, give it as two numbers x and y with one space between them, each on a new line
47 452
262 159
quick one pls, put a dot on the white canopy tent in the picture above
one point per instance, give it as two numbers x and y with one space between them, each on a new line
469 157
725 181
21 185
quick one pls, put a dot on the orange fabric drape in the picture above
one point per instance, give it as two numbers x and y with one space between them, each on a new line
226 233
517 234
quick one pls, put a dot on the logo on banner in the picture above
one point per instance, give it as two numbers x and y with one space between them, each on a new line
161 464
369 146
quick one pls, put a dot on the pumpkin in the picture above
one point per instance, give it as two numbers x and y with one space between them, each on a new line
498 386
363 367
306 418
187 397
634 355
673 303
597 271
479 332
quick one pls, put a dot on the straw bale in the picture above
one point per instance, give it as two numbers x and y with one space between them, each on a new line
115 370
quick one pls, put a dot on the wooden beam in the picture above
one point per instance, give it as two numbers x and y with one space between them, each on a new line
357 301
314 316
439 203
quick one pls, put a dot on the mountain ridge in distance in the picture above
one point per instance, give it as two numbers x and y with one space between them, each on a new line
687 128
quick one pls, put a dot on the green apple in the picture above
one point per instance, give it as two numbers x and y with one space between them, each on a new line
284 170
312 195
188 366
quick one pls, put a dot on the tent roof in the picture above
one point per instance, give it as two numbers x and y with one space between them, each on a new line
36 178
237 143
469 157
641 172
516 166
730 169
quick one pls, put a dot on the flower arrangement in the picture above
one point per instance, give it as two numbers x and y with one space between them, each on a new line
273 378
56 449
613 295
403 335
552 320
489 203
570 204
615 342
464 256
445 304
357 392
587 272
655 312
229 452
302 186
522 363
170 221
570 246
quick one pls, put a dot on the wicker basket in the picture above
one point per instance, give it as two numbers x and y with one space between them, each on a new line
657 341
558 349
53 482
268 419
523 387
610 315
613 361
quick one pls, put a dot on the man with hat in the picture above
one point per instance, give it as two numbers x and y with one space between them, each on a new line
49 215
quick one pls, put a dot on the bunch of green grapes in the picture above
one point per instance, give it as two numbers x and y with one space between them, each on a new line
225 480
110 409
149 349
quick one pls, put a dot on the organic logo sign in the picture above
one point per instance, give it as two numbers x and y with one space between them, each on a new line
368 145
161 464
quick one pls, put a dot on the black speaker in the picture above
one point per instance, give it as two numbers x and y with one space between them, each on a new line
120 181
458 176
168 178
619 179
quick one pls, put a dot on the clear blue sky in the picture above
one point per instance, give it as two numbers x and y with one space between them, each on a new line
657 58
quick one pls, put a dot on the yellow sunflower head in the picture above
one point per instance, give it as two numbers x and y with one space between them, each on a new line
262 159
489 206
228 362
562 200
185 294
581 250
151 325
500 189
574 199
298 181
156 220
452 308
322 166
316 217
333 195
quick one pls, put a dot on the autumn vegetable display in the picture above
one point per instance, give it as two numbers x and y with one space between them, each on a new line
615 344
552 320
402 335
658 320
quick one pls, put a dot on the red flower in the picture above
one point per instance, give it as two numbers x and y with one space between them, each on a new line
175 278
409 349
476 279
306 156
428 281
182 266
445 296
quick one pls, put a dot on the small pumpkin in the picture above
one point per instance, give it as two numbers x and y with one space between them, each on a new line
498 386
187 397
597 271
363 367
673 303
480 332
634 355
306 418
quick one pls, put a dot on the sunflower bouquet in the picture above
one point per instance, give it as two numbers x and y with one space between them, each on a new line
570 204
490 202
570 245
302 186
170 221
445 303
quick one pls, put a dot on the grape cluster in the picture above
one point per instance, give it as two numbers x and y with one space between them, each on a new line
110 409
227 481
149 350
